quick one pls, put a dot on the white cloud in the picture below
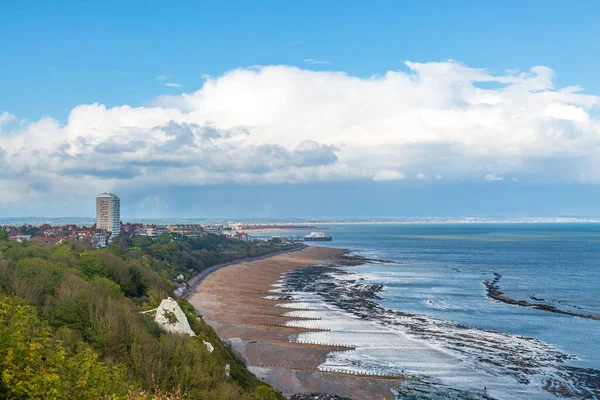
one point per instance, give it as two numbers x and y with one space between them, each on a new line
162 78
171 84
287 124
493 177
566 112
315 62
422 177
388 175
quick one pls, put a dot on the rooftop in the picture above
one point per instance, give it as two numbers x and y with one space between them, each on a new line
107 195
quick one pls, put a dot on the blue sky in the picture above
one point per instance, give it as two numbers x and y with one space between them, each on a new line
56 60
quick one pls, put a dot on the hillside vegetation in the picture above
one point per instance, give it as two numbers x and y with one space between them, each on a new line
171 254
71 327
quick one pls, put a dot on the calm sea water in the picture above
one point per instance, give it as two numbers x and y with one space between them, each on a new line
442 269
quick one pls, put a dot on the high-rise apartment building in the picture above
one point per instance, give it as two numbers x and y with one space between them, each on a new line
108 214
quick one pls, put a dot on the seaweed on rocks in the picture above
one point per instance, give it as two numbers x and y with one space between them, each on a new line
344 296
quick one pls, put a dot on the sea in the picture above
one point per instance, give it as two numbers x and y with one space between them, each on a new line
418 307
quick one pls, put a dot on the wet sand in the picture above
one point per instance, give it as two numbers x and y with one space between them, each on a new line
232 300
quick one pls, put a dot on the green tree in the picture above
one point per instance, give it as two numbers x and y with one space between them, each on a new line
3 235
264 392
164 238
36 366
140 241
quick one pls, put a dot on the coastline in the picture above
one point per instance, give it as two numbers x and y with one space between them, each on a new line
240 301
303 322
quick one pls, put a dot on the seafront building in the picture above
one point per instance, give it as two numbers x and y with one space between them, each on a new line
108 214
214 229
191 230
155 230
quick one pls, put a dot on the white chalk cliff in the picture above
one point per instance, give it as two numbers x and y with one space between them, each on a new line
171 318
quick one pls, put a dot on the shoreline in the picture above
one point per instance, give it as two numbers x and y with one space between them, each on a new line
263 307
243 304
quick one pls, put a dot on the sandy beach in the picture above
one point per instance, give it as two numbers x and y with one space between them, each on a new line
233 300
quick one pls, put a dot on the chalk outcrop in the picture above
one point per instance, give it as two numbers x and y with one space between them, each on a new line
209 346
171 318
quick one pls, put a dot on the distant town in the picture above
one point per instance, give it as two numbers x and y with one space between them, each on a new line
109 227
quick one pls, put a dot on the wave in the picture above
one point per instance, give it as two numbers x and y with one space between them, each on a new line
438 304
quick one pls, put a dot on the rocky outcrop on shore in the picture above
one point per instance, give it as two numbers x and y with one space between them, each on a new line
355 259
494 292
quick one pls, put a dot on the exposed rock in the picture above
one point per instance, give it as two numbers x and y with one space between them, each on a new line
209 346
171 318
493 291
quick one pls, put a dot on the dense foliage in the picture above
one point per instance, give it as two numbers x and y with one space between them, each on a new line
71 327
171 255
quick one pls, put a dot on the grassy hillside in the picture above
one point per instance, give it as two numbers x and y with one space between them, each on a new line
71 327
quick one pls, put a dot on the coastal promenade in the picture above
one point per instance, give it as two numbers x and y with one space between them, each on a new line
239 302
